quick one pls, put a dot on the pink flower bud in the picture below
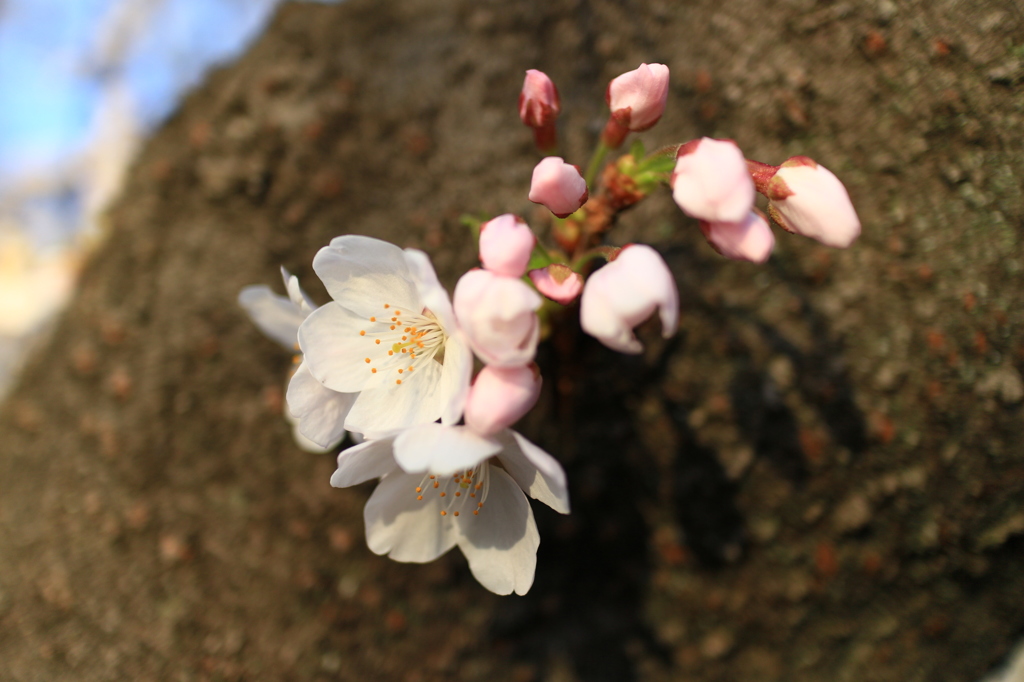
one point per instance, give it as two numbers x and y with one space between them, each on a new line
626 292
506 243
637 98
538 102
559 186
711 181
500 396
750 239
558 282
808 199
498 316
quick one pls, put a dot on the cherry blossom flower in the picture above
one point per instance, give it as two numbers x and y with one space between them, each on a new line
444 486
711 181
637 98
624 293
498 316
559 186
389 335
506 243
279 317
751 239
809 199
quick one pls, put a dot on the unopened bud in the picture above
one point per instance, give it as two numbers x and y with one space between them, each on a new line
506 243
498 316
711 181
539 103
808 199
500 396
626 292
637 98
559 186
558 282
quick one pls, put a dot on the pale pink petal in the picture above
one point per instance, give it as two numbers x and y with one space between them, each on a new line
362 273
360 463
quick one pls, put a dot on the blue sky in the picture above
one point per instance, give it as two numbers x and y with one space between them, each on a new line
50 86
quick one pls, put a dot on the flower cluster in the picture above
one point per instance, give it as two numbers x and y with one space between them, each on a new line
390 358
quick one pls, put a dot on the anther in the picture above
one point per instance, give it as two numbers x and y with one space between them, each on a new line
394 319
387 305
444 494
444 513
458 494
432 477
373 370
436 484
373 319
367 360
456 513
419 497
377 342
398 312
419 489
362 332
398 381
392 327
391 352
476 513
400 371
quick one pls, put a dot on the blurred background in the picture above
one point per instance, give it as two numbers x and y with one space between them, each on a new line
81 83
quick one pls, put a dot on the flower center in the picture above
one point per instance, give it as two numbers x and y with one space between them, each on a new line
463 492
397 342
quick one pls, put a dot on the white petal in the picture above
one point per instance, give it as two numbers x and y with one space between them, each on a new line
335 351
321 412
275 315
368 460
537 473
296 294
363 274
432 294
501 542
397 406
441 449
455 376
407 529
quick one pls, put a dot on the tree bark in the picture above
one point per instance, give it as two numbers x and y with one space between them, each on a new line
819 477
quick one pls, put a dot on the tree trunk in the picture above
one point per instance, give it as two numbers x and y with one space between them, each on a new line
819 478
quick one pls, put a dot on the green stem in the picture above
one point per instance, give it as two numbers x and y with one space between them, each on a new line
595 163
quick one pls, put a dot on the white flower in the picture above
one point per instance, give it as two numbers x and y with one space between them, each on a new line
323 411
442 486
390 335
